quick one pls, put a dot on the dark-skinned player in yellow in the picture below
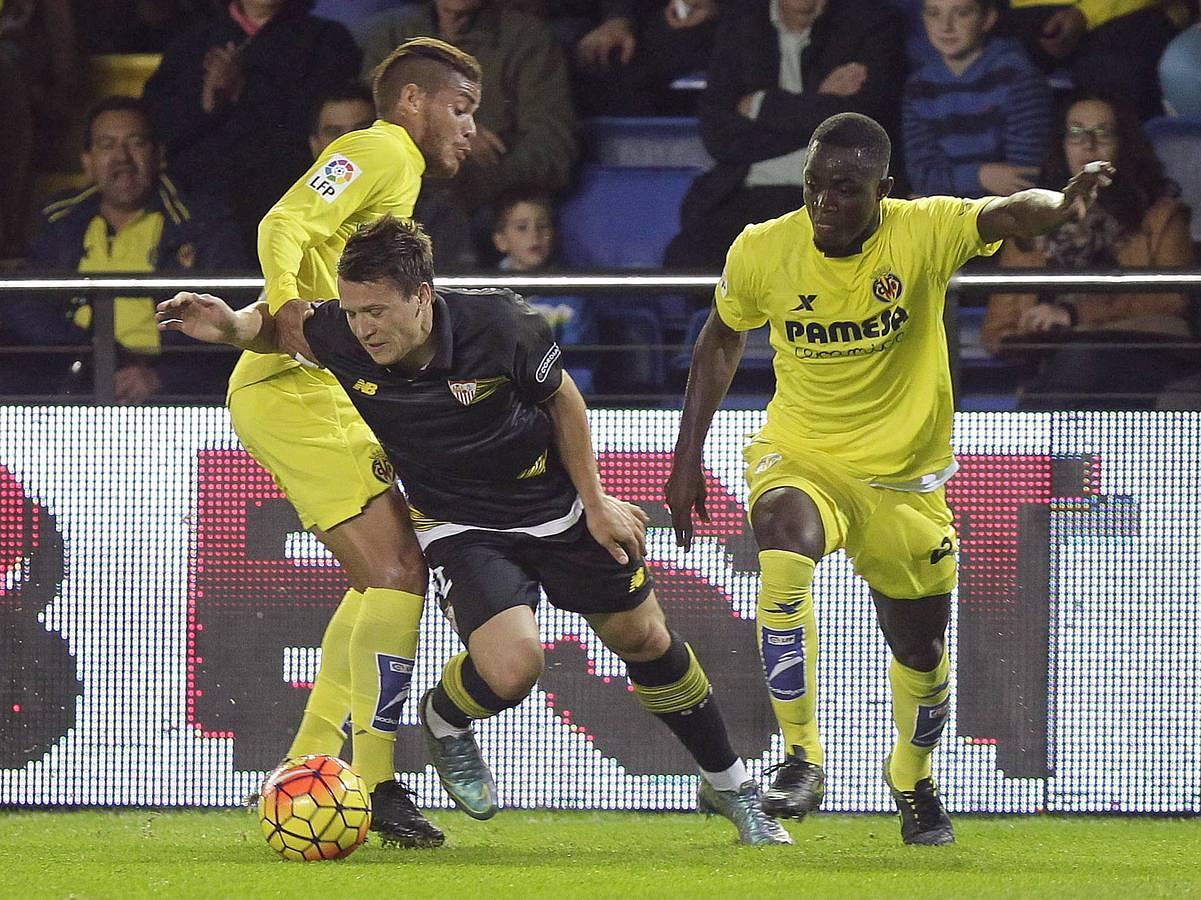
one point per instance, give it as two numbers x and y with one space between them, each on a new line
857 443
299 424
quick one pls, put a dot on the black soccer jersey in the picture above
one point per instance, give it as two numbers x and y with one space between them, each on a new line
466 435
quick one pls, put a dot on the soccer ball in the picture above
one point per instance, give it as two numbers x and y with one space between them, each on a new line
315 807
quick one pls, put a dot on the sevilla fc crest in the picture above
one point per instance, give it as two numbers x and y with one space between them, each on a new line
464 391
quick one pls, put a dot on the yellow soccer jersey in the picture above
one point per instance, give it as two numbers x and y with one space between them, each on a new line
360 177
860 350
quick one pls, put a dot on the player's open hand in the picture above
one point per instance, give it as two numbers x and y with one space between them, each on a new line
200 316
620 528
1081 192
684 491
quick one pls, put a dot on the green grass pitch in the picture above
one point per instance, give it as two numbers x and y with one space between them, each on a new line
583 854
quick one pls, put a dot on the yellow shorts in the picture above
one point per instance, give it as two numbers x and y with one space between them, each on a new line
902 543
301 427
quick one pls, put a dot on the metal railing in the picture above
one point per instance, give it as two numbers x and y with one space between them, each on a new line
100 291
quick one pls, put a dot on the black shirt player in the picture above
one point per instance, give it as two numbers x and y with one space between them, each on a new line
490 439
477 401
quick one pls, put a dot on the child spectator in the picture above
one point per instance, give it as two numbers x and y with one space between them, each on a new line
977 116
525 233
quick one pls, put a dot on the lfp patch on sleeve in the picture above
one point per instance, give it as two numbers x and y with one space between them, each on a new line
332 178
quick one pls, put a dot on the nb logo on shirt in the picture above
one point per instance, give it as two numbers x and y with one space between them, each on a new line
366 387
638 579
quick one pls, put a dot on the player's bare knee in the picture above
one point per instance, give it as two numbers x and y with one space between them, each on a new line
786 519
514 676
640 640
401 575
920 655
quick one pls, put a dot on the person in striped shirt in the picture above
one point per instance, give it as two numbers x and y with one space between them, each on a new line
976 117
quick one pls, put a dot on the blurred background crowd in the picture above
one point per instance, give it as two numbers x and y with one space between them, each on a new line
150 136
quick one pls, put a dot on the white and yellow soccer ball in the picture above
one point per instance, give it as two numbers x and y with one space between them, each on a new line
314 808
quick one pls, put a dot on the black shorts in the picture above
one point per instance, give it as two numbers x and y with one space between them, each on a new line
478 574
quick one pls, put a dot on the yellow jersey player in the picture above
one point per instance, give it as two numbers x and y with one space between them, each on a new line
298 423
857 443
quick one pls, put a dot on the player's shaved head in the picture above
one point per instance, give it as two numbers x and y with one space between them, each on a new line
426 62
860 134
845 180
389 250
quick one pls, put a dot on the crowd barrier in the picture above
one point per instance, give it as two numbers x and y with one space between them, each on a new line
650 367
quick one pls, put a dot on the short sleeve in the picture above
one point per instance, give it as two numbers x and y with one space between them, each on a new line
537 359
321 330
737 295
953 232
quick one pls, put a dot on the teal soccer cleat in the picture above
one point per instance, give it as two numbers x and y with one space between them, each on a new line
742 807
461 769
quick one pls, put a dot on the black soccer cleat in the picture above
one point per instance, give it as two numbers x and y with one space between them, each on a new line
923 819
398 821
798 788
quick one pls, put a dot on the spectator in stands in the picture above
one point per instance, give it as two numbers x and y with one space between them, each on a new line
525 126
1180 74
978 116
1103 43
781 67
525 234
130 218
137 26
1136 223
627 62
39 81
338 111
231 100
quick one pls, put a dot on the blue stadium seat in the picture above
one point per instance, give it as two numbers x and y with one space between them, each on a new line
620 217
644 141
352 13
1177 143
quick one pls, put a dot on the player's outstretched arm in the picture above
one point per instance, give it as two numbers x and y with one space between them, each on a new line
618 526
210 319
1036 211
715 359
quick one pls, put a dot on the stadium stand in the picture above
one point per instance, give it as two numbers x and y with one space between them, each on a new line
621 217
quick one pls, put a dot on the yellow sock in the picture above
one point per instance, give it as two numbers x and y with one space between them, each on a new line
919 709
383 648
788 647
328 705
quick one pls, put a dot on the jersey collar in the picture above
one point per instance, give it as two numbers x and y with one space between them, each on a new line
399 133
444 353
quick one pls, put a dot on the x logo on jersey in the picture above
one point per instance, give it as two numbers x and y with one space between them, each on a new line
806 303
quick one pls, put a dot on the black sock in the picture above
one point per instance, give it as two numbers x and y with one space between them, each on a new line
468 697
675 689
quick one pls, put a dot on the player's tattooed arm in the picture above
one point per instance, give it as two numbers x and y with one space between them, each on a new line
617 526
1033 212
715 358
207 318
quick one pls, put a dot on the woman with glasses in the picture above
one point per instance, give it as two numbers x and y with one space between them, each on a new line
1101 348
